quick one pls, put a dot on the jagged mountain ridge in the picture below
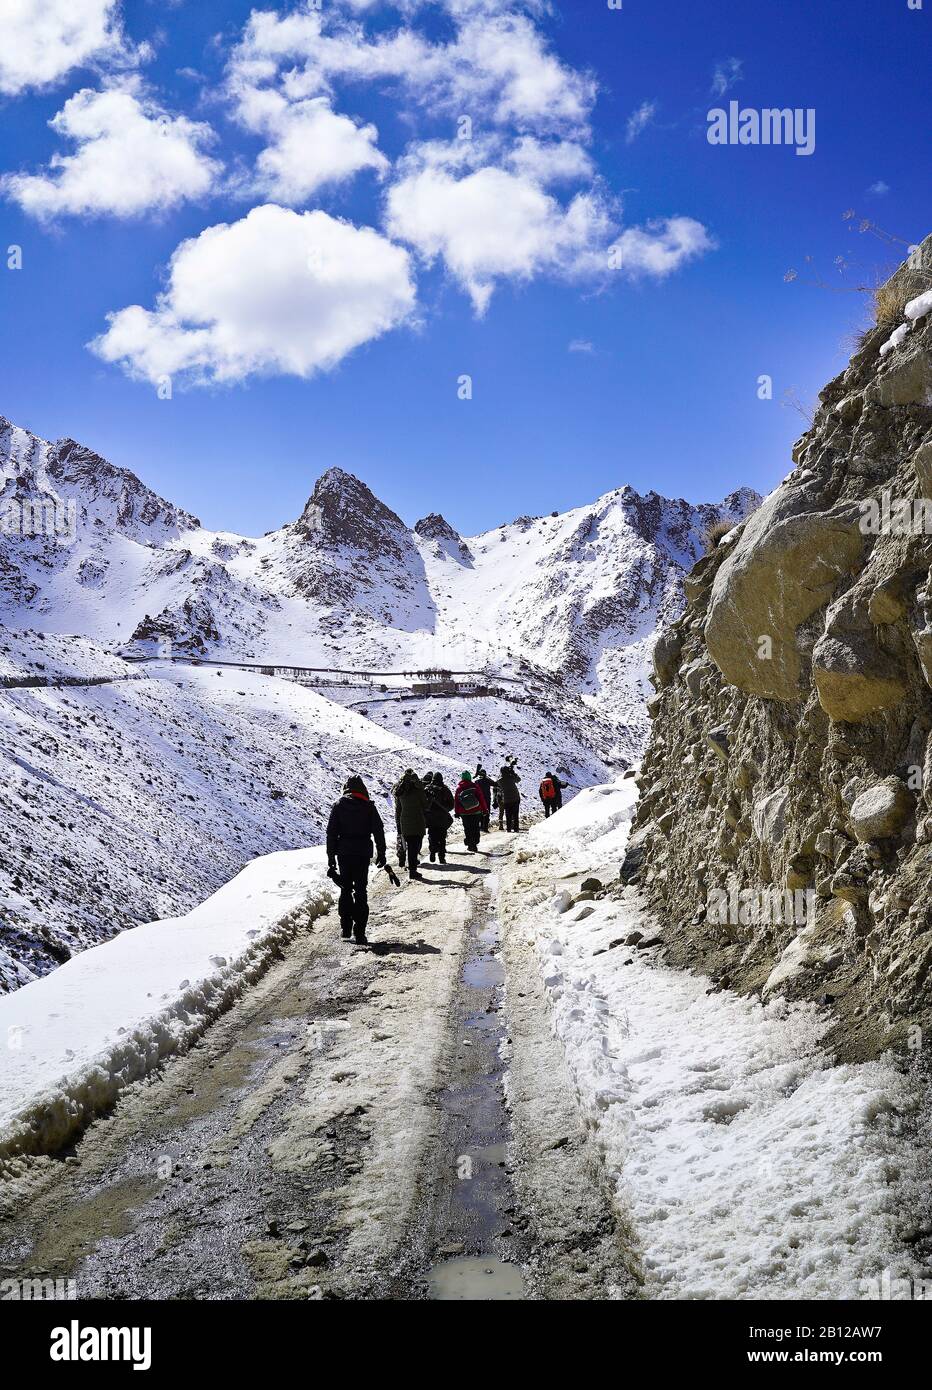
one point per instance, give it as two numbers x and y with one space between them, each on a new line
577 595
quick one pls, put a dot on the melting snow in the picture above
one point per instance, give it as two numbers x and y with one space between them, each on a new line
74 1039
750 1165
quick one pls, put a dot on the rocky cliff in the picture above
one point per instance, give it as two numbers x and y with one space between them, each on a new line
784 829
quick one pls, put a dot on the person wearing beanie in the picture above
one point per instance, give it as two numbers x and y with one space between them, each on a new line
353 826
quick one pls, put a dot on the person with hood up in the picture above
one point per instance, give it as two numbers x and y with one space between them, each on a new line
551 793
484 782
508 780
470 806
410 818
439 819
353 825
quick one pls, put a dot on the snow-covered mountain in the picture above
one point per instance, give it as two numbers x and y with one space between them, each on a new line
575 596
136 797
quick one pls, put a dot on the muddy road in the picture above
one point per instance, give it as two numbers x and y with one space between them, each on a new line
396 1123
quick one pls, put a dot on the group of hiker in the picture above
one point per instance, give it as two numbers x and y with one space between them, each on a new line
424 806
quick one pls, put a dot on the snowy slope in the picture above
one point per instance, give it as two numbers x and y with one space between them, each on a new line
577 595
749 1165
125 802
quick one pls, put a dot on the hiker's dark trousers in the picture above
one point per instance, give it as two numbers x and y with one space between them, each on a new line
354 900
437 842
413 852
549 807
472 828
511 815
484 819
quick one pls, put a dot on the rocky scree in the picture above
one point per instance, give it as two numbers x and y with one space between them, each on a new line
790 745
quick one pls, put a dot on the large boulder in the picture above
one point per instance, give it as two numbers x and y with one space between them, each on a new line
907 380
881 811
769 817
854 678
785 566
922 463
666 657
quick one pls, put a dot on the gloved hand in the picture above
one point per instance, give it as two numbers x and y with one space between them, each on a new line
380 862
331 863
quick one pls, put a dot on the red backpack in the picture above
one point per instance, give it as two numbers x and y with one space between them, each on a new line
547 790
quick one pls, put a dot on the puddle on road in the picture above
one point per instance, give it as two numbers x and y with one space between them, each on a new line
476 1277
475 1222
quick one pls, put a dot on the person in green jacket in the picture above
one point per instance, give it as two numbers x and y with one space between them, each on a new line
410 818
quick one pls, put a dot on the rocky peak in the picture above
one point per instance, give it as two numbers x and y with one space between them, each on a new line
343 511
436 528
75 466
100 491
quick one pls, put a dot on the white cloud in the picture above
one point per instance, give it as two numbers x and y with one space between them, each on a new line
42 40
639 120
506 58
660 247
311 145
132 157
496 67
559 161
879 188
726 74
481 202
492 223
580 345
279 292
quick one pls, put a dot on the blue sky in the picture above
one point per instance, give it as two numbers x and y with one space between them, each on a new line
480 259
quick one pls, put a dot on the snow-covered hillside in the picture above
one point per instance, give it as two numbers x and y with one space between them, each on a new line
133 799
577 595
125 802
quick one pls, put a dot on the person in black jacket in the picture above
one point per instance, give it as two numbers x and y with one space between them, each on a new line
410 818
483 781
354 823
439 819
508 780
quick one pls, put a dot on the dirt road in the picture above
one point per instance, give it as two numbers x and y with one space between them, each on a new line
344 1132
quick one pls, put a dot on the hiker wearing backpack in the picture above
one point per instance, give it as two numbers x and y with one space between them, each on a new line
484 782
551 793
470 806
439 819
353 825
410 819
508 780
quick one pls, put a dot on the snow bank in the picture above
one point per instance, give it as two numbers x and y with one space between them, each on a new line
595 822
750 1166
76 1037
